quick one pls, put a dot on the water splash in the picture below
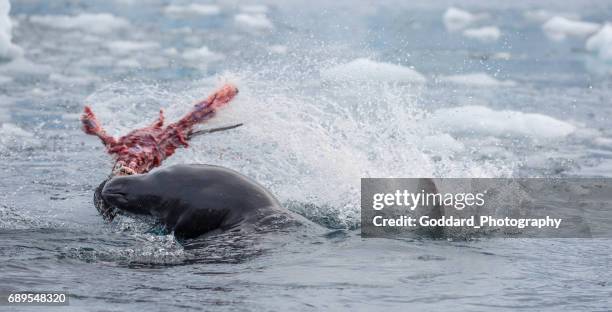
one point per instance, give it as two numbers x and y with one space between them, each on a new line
309 141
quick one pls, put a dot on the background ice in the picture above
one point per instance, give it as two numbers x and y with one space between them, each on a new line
477 79
99 23
7 48
364 70
253 21
601 43
193 9
486 33
558 28
477 120
456 19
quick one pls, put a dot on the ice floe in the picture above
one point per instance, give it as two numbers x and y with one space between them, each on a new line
22 66
129 63
601 43
201 57
541 16
254 9
477 79
474 119
559 28
253 22
456 19
99 23
363 69
501 56
127 47
8 49
278 49
193 9
484 34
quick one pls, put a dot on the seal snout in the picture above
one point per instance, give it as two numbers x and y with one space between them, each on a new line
114 193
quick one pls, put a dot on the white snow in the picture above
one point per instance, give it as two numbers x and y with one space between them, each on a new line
252 22
201 57
193 9
477 79
483 120
100 23
7 48
559 28
484 34
456 19
601 43
363 69
127 47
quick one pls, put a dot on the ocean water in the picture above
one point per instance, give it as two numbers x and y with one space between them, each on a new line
329 93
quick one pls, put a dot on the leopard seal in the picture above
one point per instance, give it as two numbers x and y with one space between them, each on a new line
195 199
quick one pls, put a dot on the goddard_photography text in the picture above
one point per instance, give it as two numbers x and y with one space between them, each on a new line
412 200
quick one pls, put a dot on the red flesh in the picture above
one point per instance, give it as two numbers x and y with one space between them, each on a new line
144 149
